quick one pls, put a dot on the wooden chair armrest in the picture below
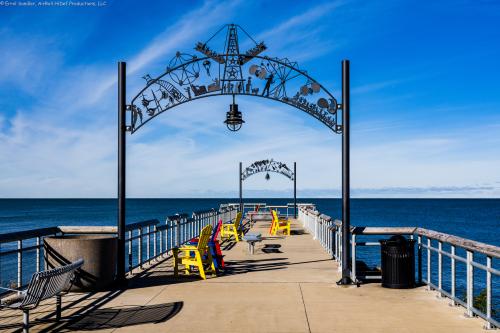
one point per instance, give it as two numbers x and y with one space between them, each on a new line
188 248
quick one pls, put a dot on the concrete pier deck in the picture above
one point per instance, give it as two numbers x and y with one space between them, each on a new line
288 285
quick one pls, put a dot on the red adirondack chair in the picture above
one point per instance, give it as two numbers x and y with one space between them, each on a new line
214 246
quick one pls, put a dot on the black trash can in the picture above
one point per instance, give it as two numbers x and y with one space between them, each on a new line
398 262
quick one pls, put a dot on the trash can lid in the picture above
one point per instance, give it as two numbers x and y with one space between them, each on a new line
395 240
398 239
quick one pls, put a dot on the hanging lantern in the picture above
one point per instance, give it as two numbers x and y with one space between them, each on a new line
234 119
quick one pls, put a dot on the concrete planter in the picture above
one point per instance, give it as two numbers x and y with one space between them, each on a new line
98 252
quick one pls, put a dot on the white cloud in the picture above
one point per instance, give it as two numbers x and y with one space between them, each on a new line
27 65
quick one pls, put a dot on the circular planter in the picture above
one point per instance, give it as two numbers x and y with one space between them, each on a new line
98 252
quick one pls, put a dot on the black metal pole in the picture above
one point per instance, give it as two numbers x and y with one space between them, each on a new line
295 190
120 270
241 187
346 201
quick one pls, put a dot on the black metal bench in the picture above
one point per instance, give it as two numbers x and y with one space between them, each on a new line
43 285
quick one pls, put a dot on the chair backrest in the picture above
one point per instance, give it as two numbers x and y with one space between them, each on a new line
274 221
237 220
275 215
49 283
216 232
205 234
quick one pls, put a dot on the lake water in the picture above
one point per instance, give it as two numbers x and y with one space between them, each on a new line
475 219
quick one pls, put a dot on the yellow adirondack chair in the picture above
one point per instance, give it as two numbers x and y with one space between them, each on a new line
232 229
202 256
280 224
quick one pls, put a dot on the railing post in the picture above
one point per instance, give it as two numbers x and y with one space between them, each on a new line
139 246
453 272
130 250
488 293
38 254
322 235
167 228
341 247
308 222
353 257
325 234
186 230
183 231
428 264
330 237
161 242
19 263
419 254
440 267
320 227
315 226
337 243
148 243
181 228
184 226
171 230
178 232
155 238
470 283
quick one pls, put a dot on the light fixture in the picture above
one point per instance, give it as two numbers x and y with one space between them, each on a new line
234 119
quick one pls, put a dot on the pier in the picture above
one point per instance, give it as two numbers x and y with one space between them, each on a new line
287 285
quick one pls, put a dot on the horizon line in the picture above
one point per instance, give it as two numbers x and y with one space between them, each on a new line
250 198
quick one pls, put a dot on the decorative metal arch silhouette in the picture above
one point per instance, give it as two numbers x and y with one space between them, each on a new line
217 73
269 166
189 78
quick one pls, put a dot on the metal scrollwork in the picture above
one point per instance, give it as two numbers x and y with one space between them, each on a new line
267 166
231 72
186 71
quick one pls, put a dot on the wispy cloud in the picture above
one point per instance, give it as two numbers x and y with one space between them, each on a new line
372 87
311 15
300 34
23 64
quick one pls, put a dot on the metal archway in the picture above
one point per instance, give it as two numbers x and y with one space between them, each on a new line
269 166
189 78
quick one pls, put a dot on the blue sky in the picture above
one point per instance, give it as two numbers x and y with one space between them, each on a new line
425 99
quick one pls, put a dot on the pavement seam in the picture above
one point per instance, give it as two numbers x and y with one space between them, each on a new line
305 310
